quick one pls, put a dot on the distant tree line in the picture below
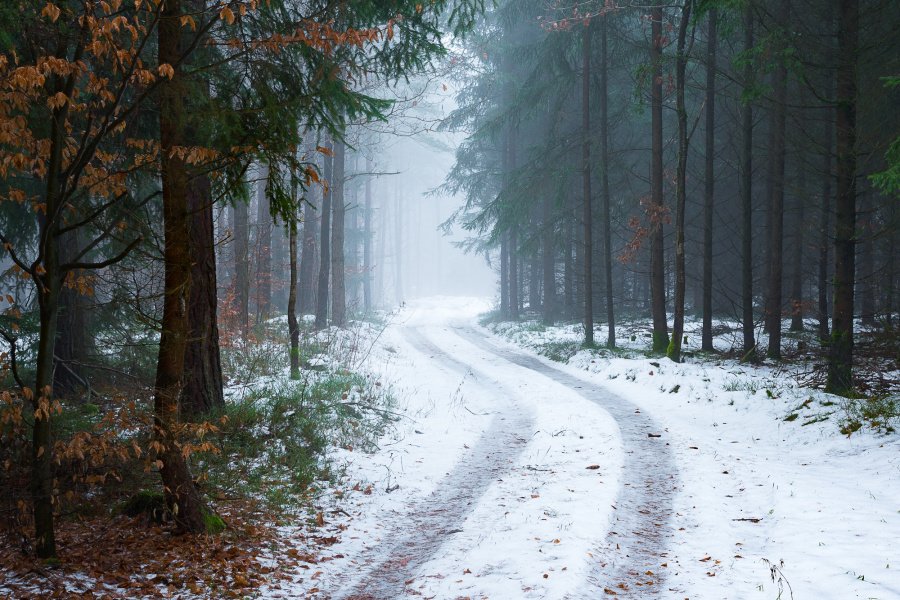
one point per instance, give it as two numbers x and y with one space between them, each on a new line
732 159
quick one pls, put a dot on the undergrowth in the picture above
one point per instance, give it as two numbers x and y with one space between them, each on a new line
274 441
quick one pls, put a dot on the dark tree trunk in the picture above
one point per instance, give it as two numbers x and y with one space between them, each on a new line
840 359
605 215
706 342
181 495
514 292
890 268
242 266
73 343
776 190
587 201
306 294
568 268
263 248
674 349
825 228
504 276
657 207
202 367
866 261
48 285
338 274
322 288
797 255
293 326
398 249
549 261
367 269
749 350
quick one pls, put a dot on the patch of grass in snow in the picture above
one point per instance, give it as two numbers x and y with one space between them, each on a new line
274 442
741 385
559 351
881 413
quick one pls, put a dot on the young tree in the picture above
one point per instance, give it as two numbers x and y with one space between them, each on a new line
657 206
840 357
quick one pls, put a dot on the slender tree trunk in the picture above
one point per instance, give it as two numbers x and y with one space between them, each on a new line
840 359
181 494
322 288
674 349
338 272
47 286
605 215
568 268
306 295
749 351
263 248
549 260
242 266
504 276
398 249
706 342
588 315
514 291
797 255
202 390
776 190
367 269
866 261
657 207
73 343
825 228
890 268
293 326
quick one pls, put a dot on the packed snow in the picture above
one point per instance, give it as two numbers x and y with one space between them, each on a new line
763 507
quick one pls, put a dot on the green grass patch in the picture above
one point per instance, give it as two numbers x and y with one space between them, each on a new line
273 442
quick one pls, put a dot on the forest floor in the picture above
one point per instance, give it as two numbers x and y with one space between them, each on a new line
519 465
603 474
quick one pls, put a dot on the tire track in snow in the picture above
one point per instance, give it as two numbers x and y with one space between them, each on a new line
420 532
630 559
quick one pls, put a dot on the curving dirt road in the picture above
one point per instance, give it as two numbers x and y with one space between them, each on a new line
629 557
430 521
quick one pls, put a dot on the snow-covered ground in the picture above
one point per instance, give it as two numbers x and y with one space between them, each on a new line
756 496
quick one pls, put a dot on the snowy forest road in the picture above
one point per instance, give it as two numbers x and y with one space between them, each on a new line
428 523
635 547
626 552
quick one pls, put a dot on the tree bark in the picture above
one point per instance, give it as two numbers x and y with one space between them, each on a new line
825 228
657 207
293 326
338 272
263 247
549 260
605 215
840 359
867 261
776 188
242 266
588 314
797 255
73 343
202 390
746 173
181 495
367 269
706 342
674 348
306 294
322 288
